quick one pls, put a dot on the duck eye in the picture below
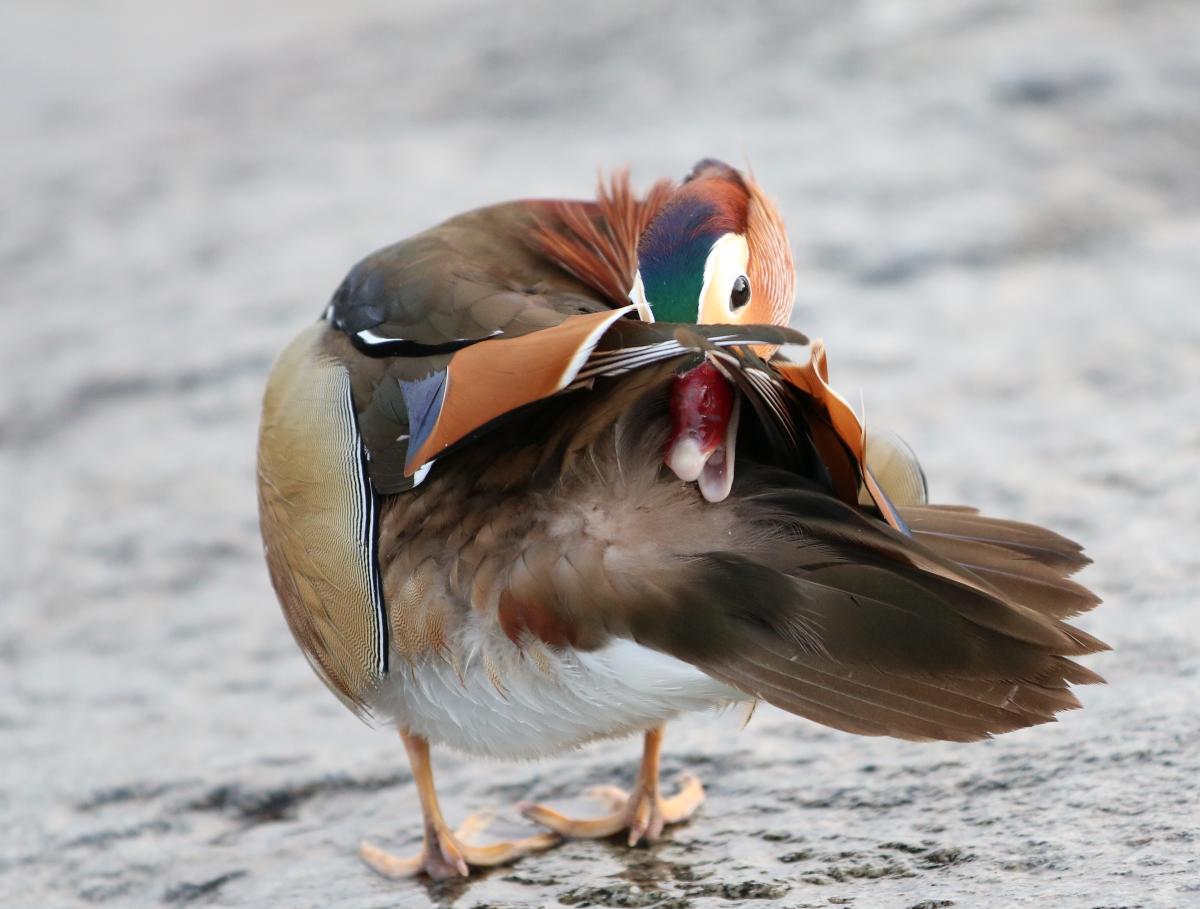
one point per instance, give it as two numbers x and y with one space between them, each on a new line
740 295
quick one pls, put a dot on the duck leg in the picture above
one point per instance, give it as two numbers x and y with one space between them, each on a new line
445 854
643 812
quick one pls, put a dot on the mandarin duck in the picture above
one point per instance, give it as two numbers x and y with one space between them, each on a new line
539 475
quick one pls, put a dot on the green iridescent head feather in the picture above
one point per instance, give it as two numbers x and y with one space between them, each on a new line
674 249
671 259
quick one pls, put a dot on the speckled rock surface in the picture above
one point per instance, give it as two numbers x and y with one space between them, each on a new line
995 208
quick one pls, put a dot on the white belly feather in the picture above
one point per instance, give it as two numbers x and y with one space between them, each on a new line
501 701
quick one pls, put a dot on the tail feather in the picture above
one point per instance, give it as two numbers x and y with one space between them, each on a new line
872 703
838 618
851 543
933 523
1035 574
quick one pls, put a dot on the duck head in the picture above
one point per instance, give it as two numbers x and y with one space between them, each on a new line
716 252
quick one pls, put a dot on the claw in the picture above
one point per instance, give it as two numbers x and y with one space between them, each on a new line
450 856
644 814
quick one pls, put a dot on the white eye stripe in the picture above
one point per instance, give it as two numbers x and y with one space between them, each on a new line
727 261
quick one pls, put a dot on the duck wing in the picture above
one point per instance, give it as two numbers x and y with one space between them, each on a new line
948 626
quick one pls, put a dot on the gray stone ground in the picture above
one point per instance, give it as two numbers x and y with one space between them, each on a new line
995 208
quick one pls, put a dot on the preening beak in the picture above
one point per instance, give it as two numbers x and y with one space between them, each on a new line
704 414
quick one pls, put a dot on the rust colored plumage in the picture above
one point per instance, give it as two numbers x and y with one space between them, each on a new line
771 269
724 197
495 377
597 242
519 618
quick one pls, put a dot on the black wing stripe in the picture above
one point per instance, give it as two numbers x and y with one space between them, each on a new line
367 521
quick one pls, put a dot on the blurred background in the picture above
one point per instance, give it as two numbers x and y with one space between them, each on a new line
995 213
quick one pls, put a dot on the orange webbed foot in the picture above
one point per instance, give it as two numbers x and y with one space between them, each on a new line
447 854
644 813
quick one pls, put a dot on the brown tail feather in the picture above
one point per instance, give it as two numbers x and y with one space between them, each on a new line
1028 564
871 703
852 546
931 522
857 627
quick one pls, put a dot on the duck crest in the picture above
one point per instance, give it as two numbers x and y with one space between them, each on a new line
597 242
668 234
